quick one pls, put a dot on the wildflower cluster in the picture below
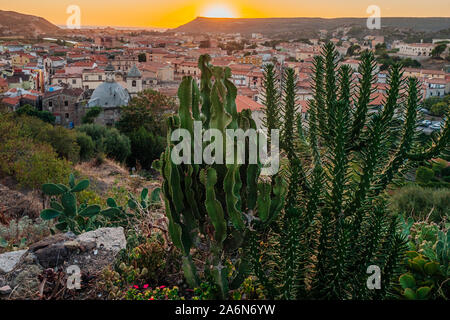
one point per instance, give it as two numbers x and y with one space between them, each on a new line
147 293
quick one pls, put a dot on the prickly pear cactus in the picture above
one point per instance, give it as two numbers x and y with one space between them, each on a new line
69 215
214 206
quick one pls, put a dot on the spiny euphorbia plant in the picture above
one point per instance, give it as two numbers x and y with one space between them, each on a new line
335 223
212 207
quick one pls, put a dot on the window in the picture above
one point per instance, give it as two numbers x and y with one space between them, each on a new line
67 116
133 83
66 103
100 78
50 103
74 81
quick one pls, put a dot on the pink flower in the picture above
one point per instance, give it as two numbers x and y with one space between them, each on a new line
151 298
145 286
162 287
136 287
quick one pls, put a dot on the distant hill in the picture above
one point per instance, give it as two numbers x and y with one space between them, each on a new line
307 26
14 23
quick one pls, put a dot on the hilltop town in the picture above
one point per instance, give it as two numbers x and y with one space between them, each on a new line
107 67
94 203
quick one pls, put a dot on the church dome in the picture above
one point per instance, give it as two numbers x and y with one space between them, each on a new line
109 95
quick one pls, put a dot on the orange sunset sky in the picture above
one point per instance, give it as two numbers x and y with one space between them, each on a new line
172 13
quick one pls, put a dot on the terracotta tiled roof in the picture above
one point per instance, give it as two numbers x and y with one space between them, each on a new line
11 101
304 105
378 99
30 97
243 103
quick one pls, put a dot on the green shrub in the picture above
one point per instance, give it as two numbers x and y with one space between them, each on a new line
439 109
445 172
424 174
87 148
117 145
438 165
108 140
96 132
91 114
64 142
40 166
419 203
145 147
61 139
33 112
428 103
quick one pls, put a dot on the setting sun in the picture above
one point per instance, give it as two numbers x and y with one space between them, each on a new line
218 11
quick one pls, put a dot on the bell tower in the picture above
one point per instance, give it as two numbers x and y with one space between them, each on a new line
134 81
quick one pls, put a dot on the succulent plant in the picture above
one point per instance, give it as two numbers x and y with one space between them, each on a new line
214 206
340 163
67 212
423 279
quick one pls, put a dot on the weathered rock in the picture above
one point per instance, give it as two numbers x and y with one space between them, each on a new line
5 290
9 260
52 240
52 255
25 281
91 252
112 239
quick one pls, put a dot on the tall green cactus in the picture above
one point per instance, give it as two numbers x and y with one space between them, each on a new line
214 206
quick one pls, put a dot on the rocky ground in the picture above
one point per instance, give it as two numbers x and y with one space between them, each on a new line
40 269
45 270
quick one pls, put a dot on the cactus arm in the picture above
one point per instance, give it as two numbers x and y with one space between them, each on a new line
241 273
366 68
330 84
190 271
439 146
51 189
407 138
69 203
230 105
279 191
190 191
232 197
214 207
264 200
82 185
205 86
220 118
185 97
220 276
195 101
